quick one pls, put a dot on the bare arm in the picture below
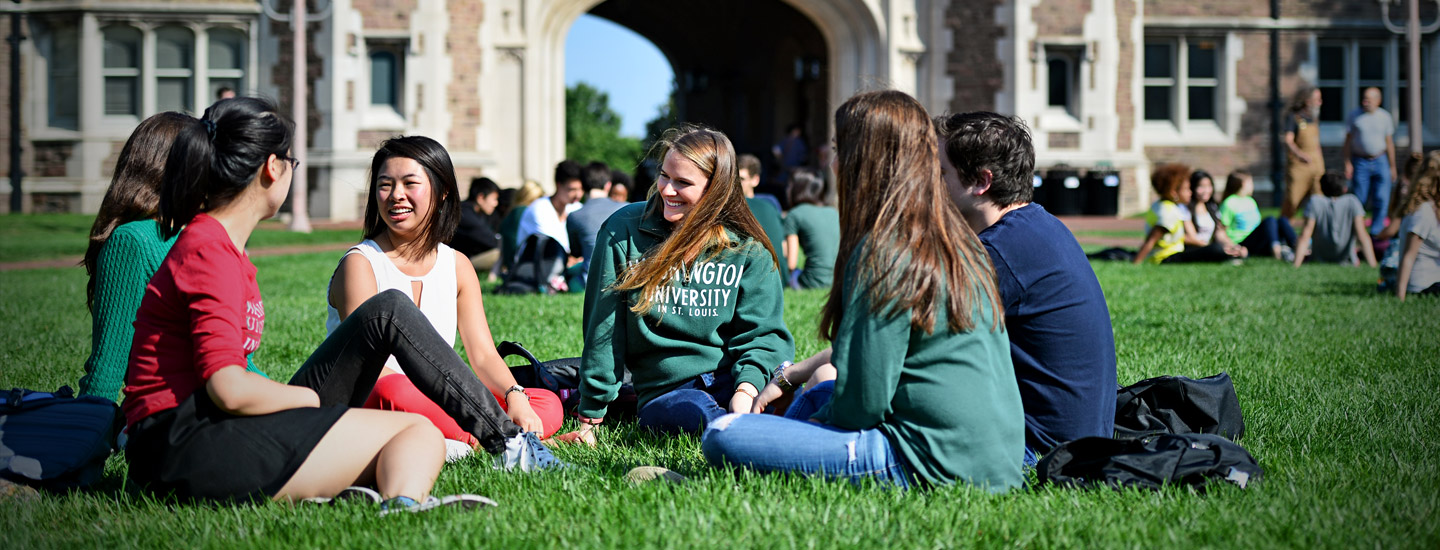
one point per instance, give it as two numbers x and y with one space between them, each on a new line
243 393
1191 237
1150 240
1362 234
1390 156
1345 154
1302 247
1407 263
792 247
489 367
353 283
805 372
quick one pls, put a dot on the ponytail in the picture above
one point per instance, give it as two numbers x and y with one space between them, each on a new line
215 158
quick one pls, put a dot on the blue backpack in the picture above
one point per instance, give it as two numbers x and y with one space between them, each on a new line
55 440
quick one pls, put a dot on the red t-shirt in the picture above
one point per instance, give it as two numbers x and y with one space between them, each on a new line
201 312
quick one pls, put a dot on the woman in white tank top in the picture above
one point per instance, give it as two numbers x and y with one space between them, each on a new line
413 207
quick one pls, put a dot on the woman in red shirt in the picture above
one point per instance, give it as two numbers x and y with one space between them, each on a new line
200 425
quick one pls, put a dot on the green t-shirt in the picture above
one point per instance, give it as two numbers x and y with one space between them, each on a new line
1240 215
722 312
948 402
818 229
774 227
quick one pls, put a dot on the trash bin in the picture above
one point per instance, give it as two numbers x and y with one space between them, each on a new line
1039 189
1063 195
1102 192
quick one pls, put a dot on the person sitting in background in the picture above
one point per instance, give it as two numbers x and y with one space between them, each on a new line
584 224
1205 213
1170 226
620 185
1240 216
812 227
1334 222
475 237
1419 271
125 250
764 211
547 218
510 224
1388 242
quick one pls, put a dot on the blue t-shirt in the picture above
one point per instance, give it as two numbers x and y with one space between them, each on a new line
1060 336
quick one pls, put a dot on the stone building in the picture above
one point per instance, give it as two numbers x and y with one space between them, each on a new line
1108 86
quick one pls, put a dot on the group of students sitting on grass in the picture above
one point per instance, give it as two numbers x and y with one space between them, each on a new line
1187 225
969 333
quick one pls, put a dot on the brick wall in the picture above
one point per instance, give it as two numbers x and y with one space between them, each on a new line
973 61
1125 12
1060 17
464 92
1327 9
387 14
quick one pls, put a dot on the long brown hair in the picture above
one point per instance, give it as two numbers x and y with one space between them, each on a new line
891 196
134 192
1299 102
1426 187
722 206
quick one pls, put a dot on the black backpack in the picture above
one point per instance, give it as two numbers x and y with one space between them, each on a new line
1193 460
562 376
56 440
541 258
1177 405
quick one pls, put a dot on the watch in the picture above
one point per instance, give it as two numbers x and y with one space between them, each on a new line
514 389
779 377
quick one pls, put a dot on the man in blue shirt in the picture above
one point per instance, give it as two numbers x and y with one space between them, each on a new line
1061 339
583 225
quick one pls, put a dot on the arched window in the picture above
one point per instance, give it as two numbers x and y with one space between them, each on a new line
174 69
121 70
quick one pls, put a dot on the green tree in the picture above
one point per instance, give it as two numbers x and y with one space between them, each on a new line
592 129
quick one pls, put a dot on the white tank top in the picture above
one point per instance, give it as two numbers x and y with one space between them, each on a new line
438 290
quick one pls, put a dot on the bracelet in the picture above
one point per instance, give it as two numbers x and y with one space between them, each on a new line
747 391
590 421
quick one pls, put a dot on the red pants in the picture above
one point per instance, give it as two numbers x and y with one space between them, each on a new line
395 392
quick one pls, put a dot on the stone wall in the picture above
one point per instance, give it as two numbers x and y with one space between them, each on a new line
974 63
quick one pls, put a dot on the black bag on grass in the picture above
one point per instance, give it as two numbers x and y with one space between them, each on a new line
1178 405
55 440
541 259
1186 459
562 376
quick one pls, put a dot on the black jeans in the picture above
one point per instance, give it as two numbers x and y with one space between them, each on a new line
344 368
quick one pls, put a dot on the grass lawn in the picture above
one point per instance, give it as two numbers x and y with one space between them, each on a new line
1337 384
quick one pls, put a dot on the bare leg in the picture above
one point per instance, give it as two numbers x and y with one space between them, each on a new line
401 452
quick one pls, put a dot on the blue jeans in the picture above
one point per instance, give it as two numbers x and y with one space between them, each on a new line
1270 232
767 443
690 407
1372 186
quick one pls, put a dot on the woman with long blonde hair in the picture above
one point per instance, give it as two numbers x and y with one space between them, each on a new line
684 292
1420 233
925 392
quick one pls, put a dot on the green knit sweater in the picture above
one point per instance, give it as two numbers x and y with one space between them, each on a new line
720 313
127 261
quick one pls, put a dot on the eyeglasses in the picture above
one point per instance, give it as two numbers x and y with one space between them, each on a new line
294 162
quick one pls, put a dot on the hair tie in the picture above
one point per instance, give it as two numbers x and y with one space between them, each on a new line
209 128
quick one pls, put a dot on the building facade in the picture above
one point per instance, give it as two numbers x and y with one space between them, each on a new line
1108 86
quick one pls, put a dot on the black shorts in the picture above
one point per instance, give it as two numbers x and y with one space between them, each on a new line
197 451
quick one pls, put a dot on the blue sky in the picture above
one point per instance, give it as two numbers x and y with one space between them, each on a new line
624 64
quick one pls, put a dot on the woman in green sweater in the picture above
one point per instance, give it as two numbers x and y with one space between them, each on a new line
685 292
925 392
125 250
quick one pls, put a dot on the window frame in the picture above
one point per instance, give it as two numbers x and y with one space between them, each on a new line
1332 132
385 116
1179 128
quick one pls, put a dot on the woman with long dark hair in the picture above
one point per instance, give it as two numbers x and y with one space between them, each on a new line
813 227
413 207
684 291
925 392
203 427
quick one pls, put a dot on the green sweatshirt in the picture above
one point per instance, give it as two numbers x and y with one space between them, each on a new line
126 262
774 226
720 313
948 402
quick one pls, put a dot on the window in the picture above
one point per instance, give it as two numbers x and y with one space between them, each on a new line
1062 73
226 60
1182 80
387 74
174 69
121 70
62 57
1344 68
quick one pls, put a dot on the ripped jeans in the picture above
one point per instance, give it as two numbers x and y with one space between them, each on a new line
767 443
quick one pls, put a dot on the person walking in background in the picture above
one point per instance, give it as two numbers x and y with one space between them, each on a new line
1306 162
811 227
584 224
1369 151
475 236
412 208
767 212
1240 216
925 393
685 292
1334 222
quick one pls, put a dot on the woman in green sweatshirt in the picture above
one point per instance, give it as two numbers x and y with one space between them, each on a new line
925 392
684 291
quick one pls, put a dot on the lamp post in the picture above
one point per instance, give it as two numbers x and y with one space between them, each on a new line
299 205
1412 31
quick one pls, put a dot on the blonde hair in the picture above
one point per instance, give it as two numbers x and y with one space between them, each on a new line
1426 187
526 194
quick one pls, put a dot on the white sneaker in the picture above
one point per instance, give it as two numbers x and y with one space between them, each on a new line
463 502
456 451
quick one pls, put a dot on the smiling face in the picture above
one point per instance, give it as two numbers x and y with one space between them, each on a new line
405 196
1204 190
680 185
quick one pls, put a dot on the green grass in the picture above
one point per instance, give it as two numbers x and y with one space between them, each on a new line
25 237
1336 383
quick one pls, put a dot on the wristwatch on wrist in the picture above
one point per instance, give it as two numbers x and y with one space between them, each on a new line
779 377
517 388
